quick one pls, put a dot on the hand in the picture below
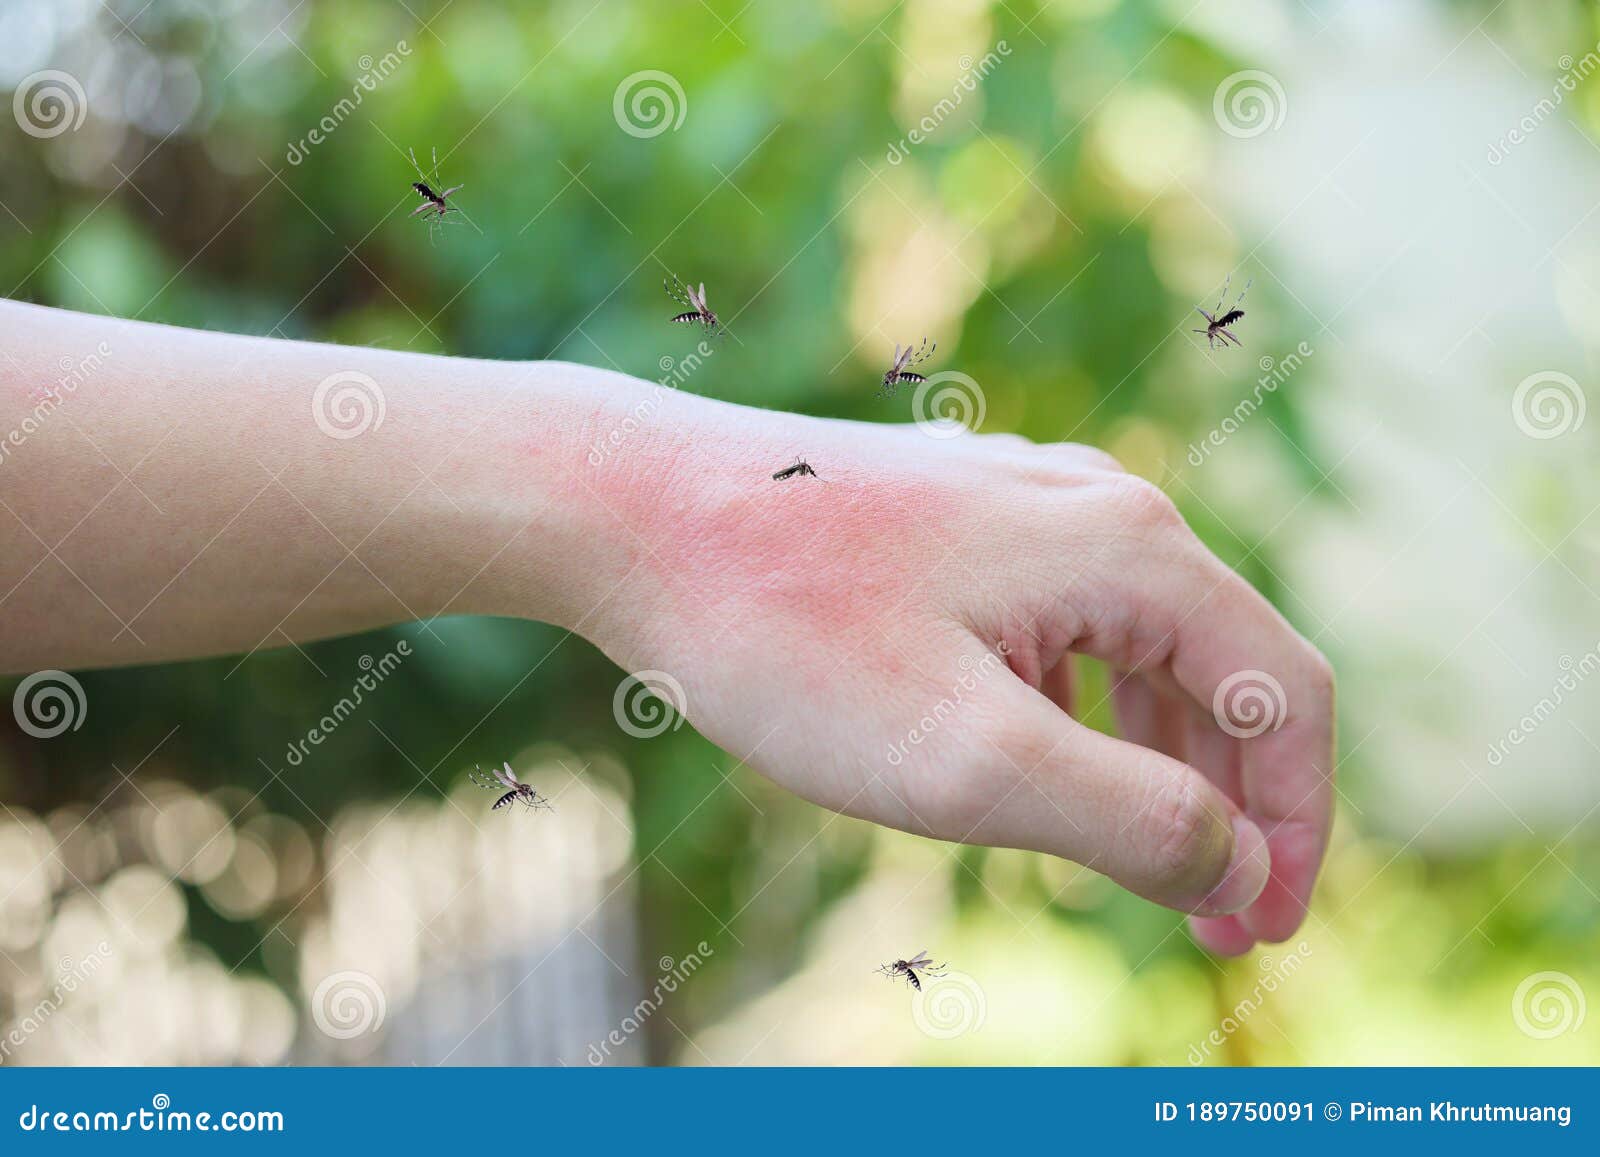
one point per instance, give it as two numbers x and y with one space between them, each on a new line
893 639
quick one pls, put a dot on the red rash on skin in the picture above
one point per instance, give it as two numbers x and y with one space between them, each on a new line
731 547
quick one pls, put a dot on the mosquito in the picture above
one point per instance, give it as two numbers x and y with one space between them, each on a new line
800 467
1217 324
499 780
900 371
696 301
922 963
434 204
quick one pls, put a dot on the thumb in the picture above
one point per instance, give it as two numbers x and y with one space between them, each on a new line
1153 824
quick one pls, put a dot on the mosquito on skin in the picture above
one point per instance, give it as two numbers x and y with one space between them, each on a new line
900 370
519 792
800 467
1217 324
908 969
435 203
698 311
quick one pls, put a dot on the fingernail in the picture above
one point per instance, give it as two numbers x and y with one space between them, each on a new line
1247 871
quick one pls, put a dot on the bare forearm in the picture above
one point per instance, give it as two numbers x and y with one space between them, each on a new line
170 493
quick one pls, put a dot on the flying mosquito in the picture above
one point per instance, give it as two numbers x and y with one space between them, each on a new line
696 301
900 371
800 467
498 780
1217 324
434 203
922 963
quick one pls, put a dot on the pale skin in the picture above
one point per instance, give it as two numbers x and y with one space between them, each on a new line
181 500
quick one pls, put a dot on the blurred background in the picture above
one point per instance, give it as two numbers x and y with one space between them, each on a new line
1398 456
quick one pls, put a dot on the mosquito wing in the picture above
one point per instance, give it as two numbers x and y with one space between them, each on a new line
700 299
507 777
920 960
900 357
451 189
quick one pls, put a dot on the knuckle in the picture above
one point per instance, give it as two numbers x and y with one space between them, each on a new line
1190 842
1142 502
1319 675
1097 459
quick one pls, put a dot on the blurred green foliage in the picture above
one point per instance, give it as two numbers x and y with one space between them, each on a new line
1049 276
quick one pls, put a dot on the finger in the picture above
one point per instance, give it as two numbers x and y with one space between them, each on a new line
1147 717
1154 825
1172 726
1266 687
1223 935
1273 695
1213 752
